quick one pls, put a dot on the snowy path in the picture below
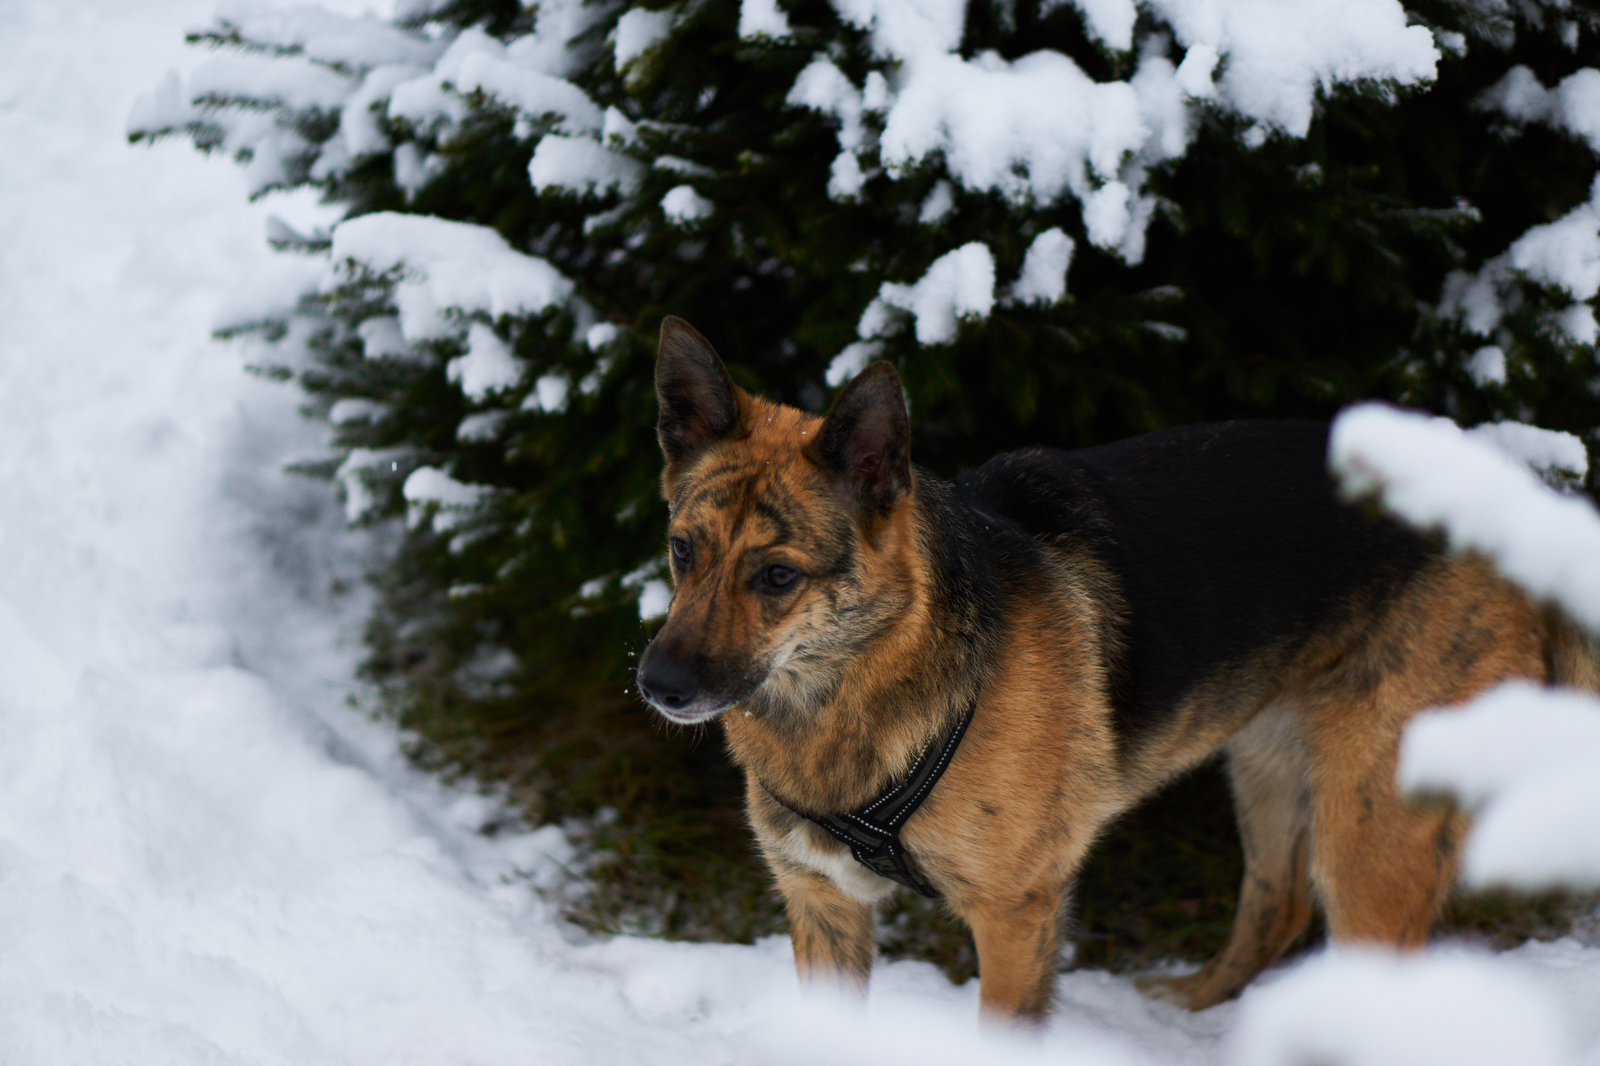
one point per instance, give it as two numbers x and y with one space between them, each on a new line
204 856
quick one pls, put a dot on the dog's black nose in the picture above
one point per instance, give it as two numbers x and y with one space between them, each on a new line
667 682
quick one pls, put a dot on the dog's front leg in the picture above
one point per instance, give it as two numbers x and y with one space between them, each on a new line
1017 935
832 932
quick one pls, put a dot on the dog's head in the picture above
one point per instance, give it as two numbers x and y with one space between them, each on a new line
783 539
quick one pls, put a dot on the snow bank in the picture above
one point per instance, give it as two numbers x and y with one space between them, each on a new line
1434 476
445 266
1364 1008
843 1034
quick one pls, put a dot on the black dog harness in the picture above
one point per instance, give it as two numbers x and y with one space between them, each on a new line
872 832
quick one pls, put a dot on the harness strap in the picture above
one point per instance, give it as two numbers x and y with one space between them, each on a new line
872 832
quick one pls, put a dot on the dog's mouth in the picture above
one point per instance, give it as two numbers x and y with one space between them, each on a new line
693 712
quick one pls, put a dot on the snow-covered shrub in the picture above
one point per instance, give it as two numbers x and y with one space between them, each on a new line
1065 222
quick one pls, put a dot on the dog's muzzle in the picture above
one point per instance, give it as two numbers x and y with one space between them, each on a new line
672 686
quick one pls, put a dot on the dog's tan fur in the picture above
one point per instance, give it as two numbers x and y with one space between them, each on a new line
859 672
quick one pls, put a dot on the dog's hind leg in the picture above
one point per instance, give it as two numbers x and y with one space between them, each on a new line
1382 866
1268 768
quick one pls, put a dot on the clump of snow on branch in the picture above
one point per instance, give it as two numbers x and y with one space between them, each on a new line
1573 105
959 284
1487 365
1044 269
445 265
684 206
1361 1007
433 494
1547 451
1526 761
1563 255
638 31
1432 475
488 366
763 18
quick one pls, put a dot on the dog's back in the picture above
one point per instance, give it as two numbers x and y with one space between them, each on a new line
1224 540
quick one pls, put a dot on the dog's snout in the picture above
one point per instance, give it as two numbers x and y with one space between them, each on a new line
667 681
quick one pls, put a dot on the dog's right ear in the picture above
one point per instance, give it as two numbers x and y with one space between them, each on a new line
697 400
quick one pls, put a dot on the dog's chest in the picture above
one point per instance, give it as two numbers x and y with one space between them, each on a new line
834 861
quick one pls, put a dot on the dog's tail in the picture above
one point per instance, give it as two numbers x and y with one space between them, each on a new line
1572 655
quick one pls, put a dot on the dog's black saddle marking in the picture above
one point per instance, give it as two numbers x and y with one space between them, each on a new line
872 832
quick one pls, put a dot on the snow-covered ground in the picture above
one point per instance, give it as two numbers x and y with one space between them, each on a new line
208 856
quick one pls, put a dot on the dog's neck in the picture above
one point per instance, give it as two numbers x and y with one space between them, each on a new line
886 704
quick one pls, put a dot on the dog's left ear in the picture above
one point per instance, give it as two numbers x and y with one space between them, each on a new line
865 442
697 399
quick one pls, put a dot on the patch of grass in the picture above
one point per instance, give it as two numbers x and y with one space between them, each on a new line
1163 881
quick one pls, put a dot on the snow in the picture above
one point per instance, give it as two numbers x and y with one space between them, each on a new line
1434 476
354 41
1044 269
1515 732
1280 53
488 366
1487 365
444 266
638 31
1364 1008
762 18
358 123
207 853
1564 255
937 207
958 285
583 166
1536 448
432 494
297 81
850 362
530 91
1526 760
1573 105
1038 128
549 394
683 206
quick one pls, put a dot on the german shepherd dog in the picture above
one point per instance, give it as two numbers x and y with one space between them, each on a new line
1097 622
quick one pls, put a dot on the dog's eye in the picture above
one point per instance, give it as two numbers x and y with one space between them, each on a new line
682 551
777 578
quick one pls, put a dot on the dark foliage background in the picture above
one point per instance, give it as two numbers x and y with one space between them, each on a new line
1282 280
